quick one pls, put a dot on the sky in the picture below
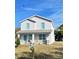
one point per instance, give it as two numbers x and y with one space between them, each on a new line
51 9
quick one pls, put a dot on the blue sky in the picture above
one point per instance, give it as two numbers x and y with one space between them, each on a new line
52 9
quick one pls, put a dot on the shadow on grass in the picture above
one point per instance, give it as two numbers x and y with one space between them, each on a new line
24 58
59 49
57 55
43 56
38 56
26 55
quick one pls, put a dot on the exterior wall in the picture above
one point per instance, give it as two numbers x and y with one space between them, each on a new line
49 38
48 25
37 26
37 40
23 25
22 40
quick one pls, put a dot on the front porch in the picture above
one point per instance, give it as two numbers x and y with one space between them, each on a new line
40 37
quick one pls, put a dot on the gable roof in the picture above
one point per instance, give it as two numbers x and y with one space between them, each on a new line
31 20
43 18
37 17
28 19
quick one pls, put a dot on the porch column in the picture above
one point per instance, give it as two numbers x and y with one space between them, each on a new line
33 38
18 35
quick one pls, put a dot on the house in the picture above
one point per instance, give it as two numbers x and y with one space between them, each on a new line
38 29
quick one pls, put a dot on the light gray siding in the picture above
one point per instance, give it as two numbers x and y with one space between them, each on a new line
24 25
37 26
48 25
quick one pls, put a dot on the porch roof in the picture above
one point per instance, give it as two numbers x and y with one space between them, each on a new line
33 31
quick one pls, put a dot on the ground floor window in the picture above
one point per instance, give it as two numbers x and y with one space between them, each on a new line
42 36
28 37
25 37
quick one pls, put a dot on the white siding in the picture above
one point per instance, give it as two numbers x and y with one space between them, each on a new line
48 25
22 40
24 27
50 37
37 26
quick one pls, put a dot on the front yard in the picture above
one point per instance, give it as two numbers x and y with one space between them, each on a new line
54 51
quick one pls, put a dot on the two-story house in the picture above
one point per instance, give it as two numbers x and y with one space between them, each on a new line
38 29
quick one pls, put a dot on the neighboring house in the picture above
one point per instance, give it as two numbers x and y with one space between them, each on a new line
37 29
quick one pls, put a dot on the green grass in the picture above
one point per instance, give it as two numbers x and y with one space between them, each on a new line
54 51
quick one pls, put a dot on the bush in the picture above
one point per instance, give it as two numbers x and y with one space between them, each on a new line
17 43
58 35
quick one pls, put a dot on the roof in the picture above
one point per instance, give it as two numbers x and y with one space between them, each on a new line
43 18
33 31
37 17
29 20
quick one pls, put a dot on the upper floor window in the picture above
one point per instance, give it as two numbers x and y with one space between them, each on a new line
43 25
28 25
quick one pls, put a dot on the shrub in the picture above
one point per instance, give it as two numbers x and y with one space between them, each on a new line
58 35
17 43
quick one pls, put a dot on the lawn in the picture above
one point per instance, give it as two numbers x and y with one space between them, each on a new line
54 51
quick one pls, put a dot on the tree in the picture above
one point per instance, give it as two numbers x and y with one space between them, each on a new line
59 33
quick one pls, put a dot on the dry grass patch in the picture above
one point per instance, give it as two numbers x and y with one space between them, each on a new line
54 51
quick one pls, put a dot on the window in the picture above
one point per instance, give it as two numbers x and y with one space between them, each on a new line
43 25
42 36
28 25
30 36
25 37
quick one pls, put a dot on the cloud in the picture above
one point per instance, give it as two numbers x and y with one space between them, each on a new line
32 9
